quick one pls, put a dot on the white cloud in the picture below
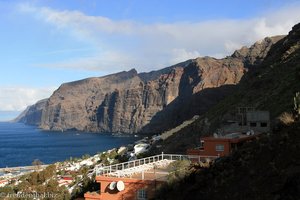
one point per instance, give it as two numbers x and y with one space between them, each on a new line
148 46
18 98
180 55
231 46
104 62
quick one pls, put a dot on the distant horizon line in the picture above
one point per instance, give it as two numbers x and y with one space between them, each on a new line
8 116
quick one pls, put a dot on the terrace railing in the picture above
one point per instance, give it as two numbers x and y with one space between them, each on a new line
107 170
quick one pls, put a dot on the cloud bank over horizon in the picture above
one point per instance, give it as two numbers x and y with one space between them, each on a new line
124 44
18 98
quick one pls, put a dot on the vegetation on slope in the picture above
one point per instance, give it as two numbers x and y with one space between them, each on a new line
38 182
268 168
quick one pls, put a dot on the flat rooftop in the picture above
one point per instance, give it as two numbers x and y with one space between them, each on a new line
150 171
149 168
153 174
236 135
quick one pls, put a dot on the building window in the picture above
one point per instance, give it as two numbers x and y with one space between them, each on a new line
253 124
263 124
142 194
219 147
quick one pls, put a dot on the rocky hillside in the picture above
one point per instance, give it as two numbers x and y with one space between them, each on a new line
129 102
267 168
269 86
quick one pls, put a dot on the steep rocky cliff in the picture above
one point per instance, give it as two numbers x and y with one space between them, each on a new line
129 102
74 105
206 81
131 109
32 115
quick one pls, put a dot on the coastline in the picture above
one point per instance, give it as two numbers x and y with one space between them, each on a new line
74 172
21 144
30 167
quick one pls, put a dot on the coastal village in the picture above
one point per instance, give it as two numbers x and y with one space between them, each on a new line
130 172
72 173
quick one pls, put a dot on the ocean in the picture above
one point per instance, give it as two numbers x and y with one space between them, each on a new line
20 144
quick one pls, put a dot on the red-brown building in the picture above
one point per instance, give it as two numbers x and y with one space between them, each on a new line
219 146
133 189
133 180
239 127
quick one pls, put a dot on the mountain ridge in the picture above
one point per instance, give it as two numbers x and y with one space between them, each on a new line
127 102
270 86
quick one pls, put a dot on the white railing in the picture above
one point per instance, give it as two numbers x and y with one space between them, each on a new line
107 170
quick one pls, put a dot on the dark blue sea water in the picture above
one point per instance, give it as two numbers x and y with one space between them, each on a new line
21 144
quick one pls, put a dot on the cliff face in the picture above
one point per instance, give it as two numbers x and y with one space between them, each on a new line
121 102
206 81
203 83
131 109
33 114
74 105
129 102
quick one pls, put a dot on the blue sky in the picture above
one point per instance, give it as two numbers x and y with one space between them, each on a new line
47 42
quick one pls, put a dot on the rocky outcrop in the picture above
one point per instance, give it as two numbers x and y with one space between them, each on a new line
129 102
257 52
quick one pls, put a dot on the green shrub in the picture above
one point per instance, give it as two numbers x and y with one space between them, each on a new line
178 170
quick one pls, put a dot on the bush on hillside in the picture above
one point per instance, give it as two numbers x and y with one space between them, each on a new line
286 118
